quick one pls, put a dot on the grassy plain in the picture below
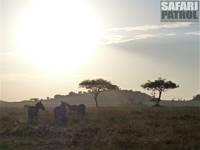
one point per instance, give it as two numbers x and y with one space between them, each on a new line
106 128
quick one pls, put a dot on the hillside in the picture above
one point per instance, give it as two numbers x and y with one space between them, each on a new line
108 98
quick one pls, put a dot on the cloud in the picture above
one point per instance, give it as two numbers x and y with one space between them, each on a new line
113 39
132 33
151 27
123 39
197 33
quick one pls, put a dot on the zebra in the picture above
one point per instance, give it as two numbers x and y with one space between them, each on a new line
60 114
33 112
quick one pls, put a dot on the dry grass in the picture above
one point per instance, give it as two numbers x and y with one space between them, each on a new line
108 128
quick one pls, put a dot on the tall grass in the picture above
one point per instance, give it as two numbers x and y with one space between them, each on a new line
108 128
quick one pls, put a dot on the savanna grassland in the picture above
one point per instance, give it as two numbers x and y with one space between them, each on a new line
107 128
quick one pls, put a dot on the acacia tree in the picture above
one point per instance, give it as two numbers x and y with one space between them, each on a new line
160 85
97 86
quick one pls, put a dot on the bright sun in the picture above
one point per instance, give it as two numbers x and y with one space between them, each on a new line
58 35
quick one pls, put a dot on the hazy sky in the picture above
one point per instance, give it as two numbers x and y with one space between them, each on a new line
48 46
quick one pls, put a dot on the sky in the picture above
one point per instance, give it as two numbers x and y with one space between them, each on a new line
48 47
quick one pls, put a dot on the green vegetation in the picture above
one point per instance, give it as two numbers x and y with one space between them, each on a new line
105 128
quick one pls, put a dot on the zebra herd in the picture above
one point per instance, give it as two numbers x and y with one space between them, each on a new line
61 112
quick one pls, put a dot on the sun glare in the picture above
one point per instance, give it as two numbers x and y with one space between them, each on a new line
58 35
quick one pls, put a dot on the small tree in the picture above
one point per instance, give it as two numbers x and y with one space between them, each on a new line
97 86
71 93
160 85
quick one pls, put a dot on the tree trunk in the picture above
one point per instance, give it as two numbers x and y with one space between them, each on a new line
95 99
158 100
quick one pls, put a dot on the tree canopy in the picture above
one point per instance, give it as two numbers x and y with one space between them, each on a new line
98 85
159 85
